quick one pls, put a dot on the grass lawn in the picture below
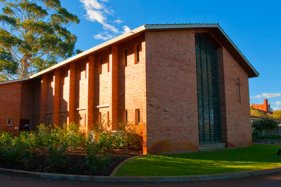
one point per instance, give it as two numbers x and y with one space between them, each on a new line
256 157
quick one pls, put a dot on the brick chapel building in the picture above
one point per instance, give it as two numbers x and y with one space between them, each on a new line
181 86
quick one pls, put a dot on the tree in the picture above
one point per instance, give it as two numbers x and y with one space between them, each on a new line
276 114
264 124
257 113
33 36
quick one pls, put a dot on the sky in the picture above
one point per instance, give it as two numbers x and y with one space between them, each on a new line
253 25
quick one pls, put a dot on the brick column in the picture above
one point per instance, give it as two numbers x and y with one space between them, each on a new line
43 98
114 81
91 92
72 93
56 105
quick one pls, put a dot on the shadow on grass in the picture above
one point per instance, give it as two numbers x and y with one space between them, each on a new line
256 157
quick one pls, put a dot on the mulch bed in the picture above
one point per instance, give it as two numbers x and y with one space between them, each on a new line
71 164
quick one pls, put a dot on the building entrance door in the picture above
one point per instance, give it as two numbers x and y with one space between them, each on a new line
25 125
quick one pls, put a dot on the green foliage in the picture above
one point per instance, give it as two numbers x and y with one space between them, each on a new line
94 160
33 36
109 141
16 149
75 138
256 136
6 140
56 144
257 113
262 125
276 115
265 124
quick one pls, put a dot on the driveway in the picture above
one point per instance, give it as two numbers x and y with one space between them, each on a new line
14 181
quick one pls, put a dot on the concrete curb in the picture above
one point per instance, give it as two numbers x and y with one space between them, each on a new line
152 179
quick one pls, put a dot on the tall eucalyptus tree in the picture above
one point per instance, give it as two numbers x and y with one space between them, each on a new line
33 36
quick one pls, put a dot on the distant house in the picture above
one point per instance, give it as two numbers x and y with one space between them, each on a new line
182 86
265 107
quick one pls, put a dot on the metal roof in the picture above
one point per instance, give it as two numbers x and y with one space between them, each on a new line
246 64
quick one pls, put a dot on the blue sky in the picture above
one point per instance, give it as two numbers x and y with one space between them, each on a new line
253 25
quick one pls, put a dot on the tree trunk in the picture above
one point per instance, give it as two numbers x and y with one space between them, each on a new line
24 66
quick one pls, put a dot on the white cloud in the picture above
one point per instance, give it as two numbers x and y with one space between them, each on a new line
278 103
267 95
126 29
103 36
97 11
118 21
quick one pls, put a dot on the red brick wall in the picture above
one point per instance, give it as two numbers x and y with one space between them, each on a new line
237 108
132 81
36 102
27 100
50 98
132 85
81 94
64 96
172 121
10 105
103 88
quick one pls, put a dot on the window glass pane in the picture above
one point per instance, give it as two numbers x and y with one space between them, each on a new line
209 117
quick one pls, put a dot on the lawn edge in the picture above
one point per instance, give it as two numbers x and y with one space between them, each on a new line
129 179
122 163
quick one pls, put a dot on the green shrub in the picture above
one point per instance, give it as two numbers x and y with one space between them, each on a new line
29 139
74 137
263 125
18 152
135 141
267 136
6 140
119 140
94 160
105 142
56 144
53 143
43 134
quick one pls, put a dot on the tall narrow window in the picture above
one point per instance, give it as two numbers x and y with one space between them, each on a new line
125 57
100 118
107 115
108 66
100 65
126 116
86 70
84 119
209 114
238 82
137 53
137 116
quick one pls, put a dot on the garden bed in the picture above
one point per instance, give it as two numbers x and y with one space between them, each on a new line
58 150
72 164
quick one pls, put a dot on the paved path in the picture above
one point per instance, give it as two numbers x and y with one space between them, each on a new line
13 181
